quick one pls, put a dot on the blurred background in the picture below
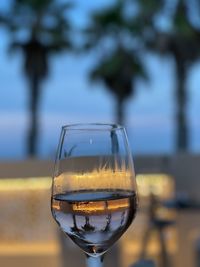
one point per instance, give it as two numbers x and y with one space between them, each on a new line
132 62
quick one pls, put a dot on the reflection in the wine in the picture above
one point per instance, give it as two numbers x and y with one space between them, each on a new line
96 219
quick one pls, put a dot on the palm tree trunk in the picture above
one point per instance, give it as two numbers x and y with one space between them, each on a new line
181 100
33 130
120 111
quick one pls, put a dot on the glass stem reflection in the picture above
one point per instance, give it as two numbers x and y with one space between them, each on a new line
94 261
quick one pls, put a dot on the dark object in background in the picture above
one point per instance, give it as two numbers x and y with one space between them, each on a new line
155 223
182 202
43 39
120 64
197 253
181 41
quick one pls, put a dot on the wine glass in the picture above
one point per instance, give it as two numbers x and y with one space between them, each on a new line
94 196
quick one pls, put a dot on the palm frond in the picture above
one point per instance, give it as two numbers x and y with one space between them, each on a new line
118 72
46 20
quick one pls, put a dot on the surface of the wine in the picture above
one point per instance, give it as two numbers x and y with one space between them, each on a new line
94 219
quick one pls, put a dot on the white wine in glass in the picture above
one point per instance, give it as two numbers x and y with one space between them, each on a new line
94 196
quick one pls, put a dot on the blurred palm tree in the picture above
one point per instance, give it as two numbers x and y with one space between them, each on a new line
38 28
181 41
114 35
118 71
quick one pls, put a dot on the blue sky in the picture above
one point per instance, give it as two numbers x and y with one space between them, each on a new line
69 97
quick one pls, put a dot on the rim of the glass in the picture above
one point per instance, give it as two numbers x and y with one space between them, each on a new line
92 127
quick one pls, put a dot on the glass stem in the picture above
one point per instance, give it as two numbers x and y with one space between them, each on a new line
94 261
